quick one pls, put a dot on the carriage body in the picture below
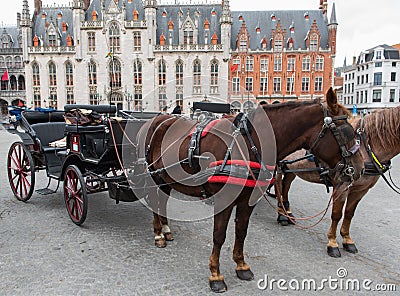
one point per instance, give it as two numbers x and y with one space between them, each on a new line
85 158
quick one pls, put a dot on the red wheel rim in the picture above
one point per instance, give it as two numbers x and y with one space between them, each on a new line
20 169
74 196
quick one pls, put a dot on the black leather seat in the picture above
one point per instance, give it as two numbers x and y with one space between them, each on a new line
49 132
72 128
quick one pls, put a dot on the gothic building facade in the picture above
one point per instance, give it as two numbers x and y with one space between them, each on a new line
12 72
144 55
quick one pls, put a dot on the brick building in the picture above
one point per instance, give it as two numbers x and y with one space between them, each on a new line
278 56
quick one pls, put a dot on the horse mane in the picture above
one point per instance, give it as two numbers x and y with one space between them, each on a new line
383 127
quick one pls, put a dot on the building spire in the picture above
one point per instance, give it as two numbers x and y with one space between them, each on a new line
226 16
333 20
25 10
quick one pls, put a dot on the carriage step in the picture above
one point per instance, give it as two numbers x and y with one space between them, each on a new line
45 191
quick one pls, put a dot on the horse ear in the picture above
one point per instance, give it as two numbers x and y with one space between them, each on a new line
332 101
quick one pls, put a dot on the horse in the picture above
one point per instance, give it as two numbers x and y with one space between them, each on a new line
380 143
314 125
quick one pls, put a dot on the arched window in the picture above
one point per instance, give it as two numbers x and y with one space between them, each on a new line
137 72
114 36
278 43
214 77
306 64
319 63
162 72
52 74
115 73
236 106
13 82
197 77
69 74
9 62
179 73
92 73
17 62
21 82
35 74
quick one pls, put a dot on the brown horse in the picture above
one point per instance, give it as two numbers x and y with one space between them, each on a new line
293 126
382 130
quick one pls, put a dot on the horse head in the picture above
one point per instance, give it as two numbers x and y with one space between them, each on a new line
336 143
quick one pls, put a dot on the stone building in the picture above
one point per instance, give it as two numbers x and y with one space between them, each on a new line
138 54
12 90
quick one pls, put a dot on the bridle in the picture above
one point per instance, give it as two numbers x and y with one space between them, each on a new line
343 135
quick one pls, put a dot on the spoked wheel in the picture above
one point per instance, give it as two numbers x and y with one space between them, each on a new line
75 195
21 171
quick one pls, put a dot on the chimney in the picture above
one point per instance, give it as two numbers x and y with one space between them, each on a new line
354 60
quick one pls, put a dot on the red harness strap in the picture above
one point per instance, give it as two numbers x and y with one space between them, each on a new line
235 180
206 129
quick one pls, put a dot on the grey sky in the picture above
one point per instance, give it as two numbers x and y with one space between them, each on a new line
362 24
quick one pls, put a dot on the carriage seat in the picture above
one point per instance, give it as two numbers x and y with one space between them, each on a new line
73 128
49 132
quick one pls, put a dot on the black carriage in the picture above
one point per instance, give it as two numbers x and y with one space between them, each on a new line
85 157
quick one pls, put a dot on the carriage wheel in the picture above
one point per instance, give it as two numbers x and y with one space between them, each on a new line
75 195
21 171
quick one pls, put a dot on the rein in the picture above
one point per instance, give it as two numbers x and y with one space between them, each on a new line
379 168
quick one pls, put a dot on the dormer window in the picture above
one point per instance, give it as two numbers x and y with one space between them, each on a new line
290 43
170 25
213 12
52 40
188 34
64 26
240 17
44 15
378 55
278 43
135 15
35 41
243 43
314 42
162 39
258 30
59 15
69 40
273 17
306 16
94 15
291 28
164 13
264 43
206 25
214 38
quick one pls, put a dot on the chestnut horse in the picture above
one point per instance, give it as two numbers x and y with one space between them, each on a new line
293 126
382 134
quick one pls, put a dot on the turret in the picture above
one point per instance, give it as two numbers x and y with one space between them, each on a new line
38 6
226 27
150 9
26 31
332 27
78 15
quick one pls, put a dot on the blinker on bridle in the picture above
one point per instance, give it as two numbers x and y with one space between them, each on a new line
343 135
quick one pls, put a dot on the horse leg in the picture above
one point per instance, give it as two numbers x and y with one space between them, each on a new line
283 200
337 208
153 199
166 231
221 219
243 213
352 201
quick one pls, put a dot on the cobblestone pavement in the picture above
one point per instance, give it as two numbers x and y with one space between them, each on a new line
43 253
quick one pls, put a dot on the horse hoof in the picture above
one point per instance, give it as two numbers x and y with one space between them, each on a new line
218 286
168 236
245 275
160 243
291 221
351 248
282 220
334 252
